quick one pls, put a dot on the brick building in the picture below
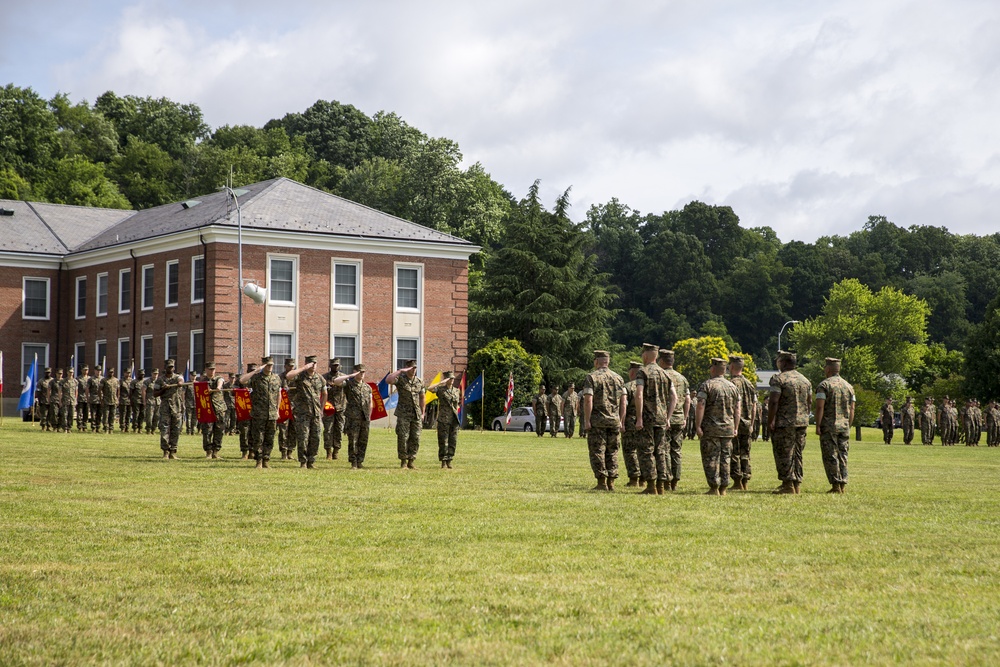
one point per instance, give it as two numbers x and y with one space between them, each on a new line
342 280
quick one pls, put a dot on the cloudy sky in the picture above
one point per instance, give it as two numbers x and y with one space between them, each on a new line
804 115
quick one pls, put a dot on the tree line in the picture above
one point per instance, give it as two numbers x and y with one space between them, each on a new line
561 287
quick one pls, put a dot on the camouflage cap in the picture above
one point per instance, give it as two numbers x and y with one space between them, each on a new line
210 366
447 374
784 355
264 361
359 367
736 358
251 367
48 369
409 362
831 361
718 361
142 372
335 361
665 353
98 368
169 363
156 371
289 363
311 359
602 354
649 347
634 364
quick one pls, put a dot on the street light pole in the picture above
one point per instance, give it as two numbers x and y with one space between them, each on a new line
783 330
239 284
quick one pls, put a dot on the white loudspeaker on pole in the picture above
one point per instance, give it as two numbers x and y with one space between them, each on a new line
256 293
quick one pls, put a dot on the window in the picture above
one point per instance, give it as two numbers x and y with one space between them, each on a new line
81 297
282 287
147 287
345 284
345 348
102 294
124 290
408 288
280 347
197 352
80 357
28 352
124 357
173 282
171 346
101 354
406 349
35 299
197 279
146 352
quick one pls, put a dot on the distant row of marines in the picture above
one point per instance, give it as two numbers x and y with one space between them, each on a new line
953 425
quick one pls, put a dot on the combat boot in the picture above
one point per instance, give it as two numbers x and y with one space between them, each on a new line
444 464
334 457
263 463
260 464
602 485
722 490
712 490
785 488
650 489
796 486
611 484
841 487
402 463
673 485
633 481
409 464
834 488
329 455
659 487
448 462
244 456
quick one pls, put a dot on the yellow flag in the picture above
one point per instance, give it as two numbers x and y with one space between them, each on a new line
430 396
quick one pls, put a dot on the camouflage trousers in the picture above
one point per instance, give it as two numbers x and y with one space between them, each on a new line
357 439
43 414
887 432
835 447
308 430
447 439
715 457
82 415
652 452
151 421
333 429
907 431
554 426
243 428
739 464
125 416
68 414
602 444
630 443
675 440
408 437
96 418
55 416
540 424
211 435
787 443
108 413
927 434
570 425
170 430
263 437
189 419
286 436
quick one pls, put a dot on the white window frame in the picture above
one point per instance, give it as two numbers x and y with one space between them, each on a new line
79 356
80 290
48 297
143 342
128 306
396 359
26 363
357 284
194 370
166 346
294 259
152 297
194 273
357 351
419 268
294 352
97 294
122 362
166 283
98 361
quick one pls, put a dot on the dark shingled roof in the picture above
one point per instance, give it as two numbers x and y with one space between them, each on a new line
52 228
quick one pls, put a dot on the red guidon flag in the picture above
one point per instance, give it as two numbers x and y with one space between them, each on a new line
510 396
284 407
329 409
378 405
242 403
203 403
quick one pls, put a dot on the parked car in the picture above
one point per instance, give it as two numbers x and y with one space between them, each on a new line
521 419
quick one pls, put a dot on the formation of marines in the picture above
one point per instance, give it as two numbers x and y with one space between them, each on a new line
952 424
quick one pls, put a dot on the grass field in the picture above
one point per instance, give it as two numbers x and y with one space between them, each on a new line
109 554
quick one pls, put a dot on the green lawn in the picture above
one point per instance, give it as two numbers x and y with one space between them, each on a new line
110 554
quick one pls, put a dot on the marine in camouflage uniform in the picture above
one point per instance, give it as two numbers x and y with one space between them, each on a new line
135 401
604 416
992 424
679 417
834 414
630 437
70 387
265 395
538 408
55 401
887 416
212 432
907 420
308 394
553 408
692 402
151 402
285 430
109 400
655 402
765 428
333 425
357 415
189 419
43 393
927 423
230 421
167 388
789 402
82 399
755 433
570 400
717 417
739 467
409 411
124 404
448 420
579 412
94 394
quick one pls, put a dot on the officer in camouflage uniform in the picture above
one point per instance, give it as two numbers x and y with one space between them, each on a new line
109 400
285 430
82 399
448 420
888 416
333 425
69 399
765 428
739 466
788 404
538 407
908 419
927 423
308 390
171 394
55 401
691 430
189 419
569 410
655 401
43 393
630 437
135 400
604 418
94 394
409 411
679 417
834 415
553 408
716 420
230 420
265 395
357 415
212 432
151 402
992 424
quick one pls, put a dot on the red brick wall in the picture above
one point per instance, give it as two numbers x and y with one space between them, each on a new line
14 330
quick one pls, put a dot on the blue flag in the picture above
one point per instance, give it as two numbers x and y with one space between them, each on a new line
475 390
28 391
187 373
390 397
383 388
